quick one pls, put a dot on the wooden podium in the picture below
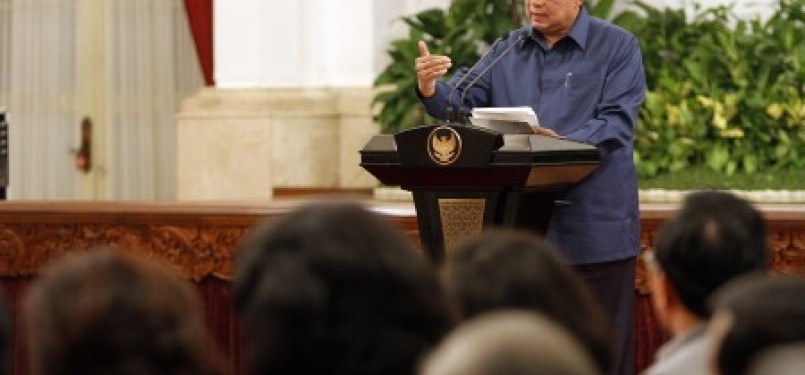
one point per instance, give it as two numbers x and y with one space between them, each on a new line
466 178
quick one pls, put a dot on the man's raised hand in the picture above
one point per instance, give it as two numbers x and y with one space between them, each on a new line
429 68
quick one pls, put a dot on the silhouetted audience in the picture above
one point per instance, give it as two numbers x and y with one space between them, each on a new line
6 337
755 314
103 312
510 343
334 289
503 269
714 238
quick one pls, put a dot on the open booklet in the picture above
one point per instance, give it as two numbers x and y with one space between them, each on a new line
517 120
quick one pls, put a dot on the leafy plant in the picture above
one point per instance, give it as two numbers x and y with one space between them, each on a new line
723 92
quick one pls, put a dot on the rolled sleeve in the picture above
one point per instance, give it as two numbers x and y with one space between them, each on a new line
436 105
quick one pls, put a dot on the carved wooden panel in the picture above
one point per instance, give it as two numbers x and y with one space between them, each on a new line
195 251
788 247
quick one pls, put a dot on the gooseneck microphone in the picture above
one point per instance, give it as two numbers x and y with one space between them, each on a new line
456 116
521 35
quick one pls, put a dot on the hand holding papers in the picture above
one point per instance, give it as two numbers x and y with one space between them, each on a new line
516 120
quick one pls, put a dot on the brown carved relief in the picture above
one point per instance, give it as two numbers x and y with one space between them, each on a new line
195 251
174 246
788 248
215 251
11 253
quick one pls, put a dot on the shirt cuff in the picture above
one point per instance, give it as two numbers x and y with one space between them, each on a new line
435 105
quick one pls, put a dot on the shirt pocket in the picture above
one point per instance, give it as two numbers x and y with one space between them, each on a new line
584 86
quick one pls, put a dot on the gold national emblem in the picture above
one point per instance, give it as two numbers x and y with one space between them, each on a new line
444 145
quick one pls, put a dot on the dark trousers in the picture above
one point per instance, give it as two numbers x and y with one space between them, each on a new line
613 284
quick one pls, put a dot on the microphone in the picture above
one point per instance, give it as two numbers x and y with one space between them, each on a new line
522 34
452 116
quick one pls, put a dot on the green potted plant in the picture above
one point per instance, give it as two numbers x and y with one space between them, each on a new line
725 93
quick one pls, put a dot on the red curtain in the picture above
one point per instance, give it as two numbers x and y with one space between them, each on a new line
199 13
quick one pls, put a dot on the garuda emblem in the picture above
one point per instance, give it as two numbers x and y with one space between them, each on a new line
444 145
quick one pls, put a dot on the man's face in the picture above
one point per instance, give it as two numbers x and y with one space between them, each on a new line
552 17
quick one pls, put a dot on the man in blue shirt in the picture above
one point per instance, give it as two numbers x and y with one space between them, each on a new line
584 78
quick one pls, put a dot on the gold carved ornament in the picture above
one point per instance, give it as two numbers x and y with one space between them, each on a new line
444 145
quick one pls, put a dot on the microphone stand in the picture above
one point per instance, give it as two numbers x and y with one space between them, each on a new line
460 115
462 100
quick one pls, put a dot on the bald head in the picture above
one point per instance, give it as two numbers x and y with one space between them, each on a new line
509 343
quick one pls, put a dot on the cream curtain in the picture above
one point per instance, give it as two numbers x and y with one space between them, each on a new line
37 86
151 66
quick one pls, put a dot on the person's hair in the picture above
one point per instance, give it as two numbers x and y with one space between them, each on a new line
505 268
715 237
764 311
6 337
333 289
787 359
509 343
106 312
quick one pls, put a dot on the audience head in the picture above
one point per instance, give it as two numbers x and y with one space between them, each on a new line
510 269
754 314
334 289
509 343
780 360
105 312
6 337
715 237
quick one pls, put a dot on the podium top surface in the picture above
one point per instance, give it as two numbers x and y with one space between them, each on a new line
468 157
524 149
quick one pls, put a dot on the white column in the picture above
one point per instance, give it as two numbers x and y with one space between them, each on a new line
306 43
300 43
257 42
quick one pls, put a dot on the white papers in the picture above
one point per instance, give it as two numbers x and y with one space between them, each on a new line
516 114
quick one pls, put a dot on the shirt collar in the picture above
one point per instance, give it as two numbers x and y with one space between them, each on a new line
578 32
696 332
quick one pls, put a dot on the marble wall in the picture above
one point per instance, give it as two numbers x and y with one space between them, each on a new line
244 143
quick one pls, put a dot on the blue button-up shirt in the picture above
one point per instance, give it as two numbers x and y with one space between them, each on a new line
588 88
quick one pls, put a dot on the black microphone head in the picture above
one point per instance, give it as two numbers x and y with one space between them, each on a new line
451 115
464 115
451 110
